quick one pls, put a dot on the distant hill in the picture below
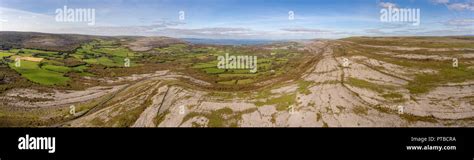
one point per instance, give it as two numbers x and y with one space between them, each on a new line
148 43
69 42
228 41
43 41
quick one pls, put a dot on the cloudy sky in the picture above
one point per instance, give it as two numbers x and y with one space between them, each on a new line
240 19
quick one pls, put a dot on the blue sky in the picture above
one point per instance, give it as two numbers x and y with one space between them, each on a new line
242 19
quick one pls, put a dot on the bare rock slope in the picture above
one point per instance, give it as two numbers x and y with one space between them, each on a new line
338 91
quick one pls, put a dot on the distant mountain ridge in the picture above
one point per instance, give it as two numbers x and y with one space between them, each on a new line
43 41
230 41
69 42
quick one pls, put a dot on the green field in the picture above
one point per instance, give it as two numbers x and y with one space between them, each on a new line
205 65
213 70
34 73
104 53
103 58
32 51
5 54
51 70
116 62
269 62
81 68
60 69
120 52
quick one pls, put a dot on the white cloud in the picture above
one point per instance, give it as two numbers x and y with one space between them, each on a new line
19 20
387 5
440 1
448 32
35 22
375 31
461 22
306 30
462 6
